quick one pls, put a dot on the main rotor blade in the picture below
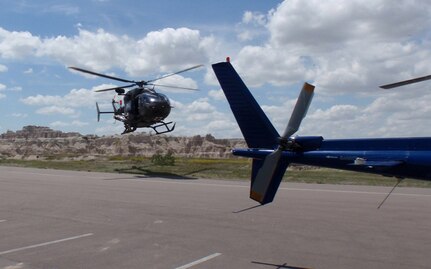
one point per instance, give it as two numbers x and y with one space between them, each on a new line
115 88
300 110
100 75
174 87
405 82
178 72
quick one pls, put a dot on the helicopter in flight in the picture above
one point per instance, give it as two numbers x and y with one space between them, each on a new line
142 106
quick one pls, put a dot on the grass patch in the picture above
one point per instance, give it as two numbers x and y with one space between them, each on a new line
192 168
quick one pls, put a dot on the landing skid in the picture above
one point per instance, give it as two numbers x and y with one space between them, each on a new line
167 128
163 124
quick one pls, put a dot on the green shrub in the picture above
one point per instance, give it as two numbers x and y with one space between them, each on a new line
166 159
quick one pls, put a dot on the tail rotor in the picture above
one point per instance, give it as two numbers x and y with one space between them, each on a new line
265 184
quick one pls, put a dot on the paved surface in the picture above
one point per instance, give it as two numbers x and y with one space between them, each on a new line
60 219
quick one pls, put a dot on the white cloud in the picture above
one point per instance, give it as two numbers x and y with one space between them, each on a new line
339 113
62 9
75 123
159 51
252 26
256 18
41 100
97 51
3 68
20 115
217 95
344 46
28 71
75 98
202 117
176 81
163 50
167 49
335 23
15 89
16 45
55 110
4 88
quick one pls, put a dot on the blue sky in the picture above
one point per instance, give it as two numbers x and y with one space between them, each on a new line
346 48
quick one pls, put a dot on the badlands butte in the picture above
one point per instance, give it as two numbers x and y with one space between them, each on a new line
37 142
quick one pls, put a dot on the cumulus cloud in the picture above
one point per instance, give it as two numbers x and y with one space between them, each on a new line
252 25
344 46
176 81
75 98
3 68
158 51
16 45
217 95
75 123
4 88
202 117
168 49
55 110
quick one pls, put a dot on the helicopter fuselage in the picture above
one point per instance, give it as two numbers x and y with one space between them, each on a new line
143 107
152 108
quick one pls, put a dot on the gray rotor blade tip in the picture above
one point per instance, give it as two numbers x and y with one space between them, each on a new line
300 110
264 176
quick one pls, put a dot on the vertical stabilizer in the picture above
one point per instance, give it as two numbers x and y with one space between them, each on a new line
257 130
255 126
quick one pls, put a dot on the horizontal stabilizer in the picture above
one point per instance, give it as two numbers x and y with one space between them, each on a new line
255 126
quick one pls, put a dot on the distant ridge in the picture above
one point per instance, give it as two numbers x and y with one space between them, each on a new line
43 142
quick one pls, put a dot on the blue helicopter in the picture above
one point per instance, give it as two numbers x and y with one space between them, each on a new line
272 153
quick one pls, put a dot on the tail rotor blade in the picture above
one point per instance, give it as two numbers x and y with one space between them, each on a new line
261 183
300 110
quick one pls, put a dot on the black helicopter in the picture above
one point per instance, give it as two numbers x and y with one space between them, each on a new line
143 107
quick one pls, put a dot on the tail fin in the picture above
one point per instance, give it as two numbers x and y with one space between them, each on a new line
255 126
256 129
98 112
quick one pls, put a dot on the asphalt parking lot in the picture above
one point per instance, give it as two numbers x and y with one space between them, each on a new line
64 219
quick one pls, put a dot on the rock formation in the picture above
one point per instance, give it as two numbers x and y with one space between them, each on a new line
43 142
